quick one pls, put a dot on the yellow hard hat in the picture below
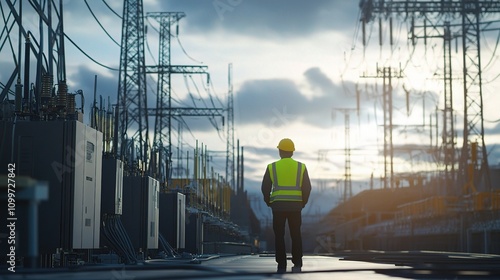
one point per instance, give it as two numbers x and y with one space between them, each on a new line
286 145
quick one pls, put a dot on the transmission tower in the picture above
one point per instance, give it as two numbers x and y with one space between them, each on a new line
386 74
470 12
347 152
132 100
230 130
163 98
448 119
448 133
164 112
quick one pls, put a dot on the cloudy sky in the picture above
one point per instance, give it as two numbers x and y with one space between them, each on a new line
297 68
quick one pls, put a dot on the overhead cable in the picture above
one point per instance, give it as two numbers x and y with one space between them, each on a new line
213 89
151 53
98 22
88 56
493 56
8 30
111 9
184 51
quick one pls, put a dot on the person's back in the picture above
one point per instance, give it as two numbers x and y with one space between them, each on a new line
286 188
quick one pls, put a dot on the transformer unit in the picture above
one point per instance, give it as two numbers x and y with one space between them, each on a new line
173 218
194 232
140 211
67 155
112 186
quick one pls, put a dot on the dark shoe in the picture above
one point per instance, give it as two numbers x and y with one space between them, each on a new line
281 270
296 269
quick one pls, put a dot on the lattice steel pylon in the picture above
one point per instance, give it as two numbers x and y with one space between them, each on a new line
470 12
347 152
164 111
386 74
448 156
132 120
448 118
164 88
230 130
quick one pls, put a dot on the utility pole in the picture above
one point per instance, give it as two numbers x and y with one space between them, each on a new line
470 13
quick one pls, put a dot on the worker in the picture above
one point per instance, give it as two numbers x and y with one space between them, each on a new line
286 188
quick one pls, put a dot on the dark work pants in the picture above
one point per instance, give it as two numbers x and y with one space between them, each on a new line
294 222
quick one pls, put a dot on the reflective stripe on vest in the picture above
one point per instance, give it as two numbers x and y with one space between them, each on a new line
285 191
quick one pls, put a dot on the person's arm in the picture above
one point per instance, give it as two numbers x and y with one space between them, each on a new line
266 187
306 188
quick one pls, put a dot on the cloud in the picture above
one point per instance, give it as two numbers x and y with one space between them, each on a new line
83 78
259 18
493 149
7 68
280 102
494 156
261 100
269 102
494 130
319 81
255 18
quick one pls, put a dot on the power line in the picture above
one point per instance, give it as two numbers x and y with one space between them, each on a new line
184 51
111 9
98 22
470 13
87 55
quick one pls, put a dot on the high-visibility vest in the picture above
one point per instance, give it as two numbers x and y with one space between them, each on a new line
286 176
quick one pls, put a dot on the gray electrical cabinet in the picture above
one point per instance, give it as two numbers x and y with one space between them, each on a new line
87 187
152 200
68 156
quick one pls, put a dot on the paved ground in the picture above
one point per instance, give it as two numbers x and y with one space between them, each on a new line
365 265
216 267
315 267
